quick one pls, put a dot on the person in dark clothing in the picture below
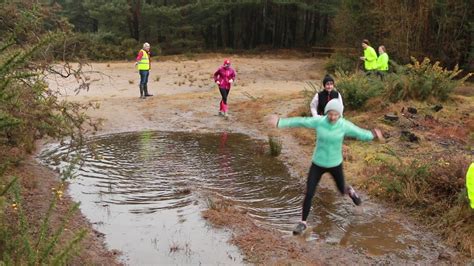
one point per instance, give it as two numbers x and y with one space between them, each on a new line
323 97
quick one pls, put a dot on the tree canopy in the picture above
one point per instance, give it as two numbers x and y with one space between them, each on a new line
440 29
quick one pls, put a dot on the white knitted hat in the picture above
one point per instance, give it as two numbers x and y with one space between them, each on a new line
334 105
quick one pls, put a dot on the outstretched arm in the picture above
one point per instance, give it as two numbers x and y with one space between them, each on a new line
354 131
308 122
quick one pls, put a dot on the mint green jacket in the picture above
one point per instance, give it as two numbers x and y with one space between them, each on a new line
328 150
370 62
382 62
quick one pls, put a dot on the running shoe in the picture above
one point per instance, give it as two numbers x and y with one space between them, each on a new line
299 229
353 195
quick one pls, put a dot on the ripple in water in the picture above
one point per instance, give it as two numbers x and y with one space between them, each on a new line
131 186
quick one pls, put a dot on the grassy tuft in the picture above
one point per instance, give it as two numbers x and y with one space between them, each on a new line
275 146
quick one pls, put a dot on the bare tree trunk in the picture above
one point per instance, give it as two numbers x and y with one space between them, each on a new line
134 18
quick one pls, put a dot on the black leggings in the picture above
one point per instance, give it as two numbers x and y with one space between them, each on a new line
315 173
224 93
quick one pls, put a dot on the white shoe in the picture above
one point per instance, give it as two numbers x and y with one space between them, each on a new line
299 229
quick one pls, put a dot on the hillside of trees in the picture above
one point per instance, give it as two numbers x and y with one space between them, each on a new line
440 29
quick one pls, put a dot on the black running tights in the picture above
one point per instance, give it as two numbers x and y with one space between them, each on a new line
315 173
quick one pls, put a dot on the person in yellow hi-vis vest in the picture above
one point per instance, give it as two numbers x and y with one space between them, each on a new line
370 56
382 62
470 184
143 65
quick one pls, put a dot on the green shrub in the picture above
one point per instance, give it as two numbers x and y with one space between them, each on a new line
29 111
417 81
357 88
27 247
341 62
421 81
189 55
129 48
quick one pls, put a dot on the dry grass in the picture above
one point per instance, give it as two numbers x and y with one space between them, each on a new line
466 90
431 189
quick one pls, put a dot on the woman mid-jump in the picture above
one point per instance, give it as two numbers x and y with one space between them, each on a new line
327 157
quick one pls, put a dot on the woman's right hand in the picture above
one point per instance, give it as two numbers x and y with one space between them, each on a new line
378 134
273 120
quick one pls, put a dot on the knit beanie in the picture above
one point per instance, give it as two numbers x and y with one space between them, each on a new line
334 105
326 79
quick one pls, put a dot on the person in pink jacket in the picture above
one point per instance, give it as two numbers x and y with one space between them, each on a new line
224 77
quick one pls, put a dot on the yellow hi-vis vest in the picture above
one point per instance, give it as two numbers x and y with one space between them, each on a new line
470 184
144 63
370 62
382 62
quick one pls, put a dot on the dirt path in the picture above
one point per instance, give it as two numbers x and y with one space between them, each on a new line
185 99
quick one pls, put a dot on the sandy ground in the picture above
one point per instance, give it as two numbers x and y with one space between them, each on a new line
186 99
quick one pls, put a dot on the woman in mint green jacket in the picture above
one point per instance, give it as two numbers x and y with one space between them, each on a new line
327 156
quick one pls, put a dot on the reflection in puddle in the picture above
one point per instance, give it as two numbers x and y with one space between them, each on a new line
142 190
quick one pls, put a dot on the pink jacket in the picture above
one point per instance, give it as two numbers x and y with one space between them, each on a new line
223 75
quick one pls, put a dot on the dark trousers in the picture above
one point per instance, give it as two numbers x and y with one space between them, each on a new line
314 176
224 94
223 104
144 77
381 74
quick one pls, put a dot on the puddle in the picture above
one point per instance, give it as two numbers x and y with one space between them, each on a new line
144 192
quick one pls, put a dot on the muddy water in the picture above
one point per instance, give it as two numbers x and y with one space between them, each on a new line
144 192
